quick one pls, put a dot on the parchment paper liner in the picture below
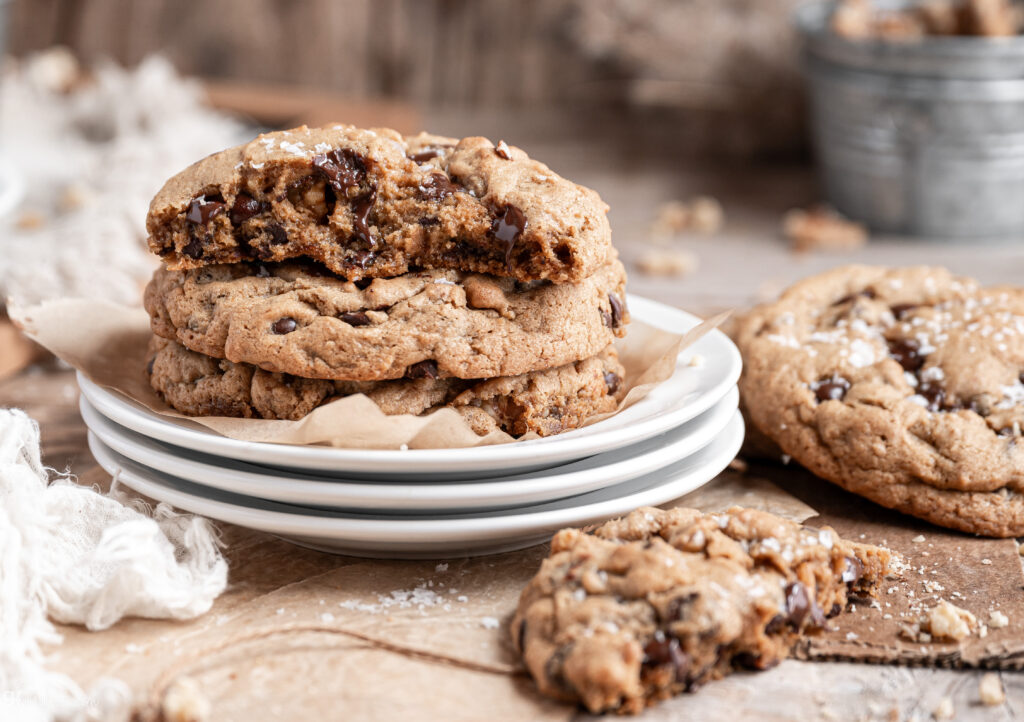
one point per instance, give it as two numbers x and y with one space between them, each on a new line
107 343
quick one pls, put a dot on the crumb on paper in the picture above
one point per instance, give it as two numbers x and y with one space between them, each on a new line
944 710
702 214
918 539
668 262
696 361
950 622
997 620
986 562
490 623
822 228
990 689
442 567
30 220
184 701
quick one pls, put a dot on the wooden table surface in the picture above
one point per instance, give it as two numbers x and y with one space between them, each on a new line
745 262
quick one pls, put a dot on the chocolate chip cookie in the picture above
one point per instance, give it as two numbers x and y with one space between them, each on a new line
659 602
905 386
372 203
299 319
545 402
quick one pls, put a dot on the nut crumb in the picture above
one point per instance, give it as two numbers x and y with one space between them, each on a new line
948 621
702 214
185 702
991 689
668 262
944 709
822 228
997 620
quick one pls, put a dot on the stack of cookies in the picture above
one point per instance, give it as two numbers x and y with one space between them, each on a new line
423 272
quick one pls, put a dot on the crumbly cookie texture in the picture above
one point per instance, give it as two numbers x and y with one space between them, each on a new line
901 385
659 602
299 319
372 203
545 402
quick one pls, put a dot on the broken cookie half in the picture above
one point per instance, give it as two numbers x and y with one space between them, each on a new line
659 602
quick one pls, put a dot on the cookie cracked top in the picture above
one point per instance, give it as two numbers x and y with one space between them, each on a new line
902 385
372 203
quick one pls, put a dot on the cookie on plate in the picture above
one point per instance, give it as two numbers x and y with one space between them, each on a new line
659 602
372 203
297 318
546 402
901 385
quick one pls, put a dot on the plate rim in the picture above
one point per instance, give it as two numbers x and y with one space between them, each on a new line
471 528
357 494
425 461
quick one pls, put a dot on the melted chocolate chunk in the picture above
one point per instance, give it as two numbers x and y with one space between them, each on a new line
907 353
616 305
613 381
902 309
245 207
507 228
801 607
853 570
358 318
204 209
422 370
775 624
194 249
832 388
934 394
284 325
342 168
361 208
662 650
436 187
431 151
278 235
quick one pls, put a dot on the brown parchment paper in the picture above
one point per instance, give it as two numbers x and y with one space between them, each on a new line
107 342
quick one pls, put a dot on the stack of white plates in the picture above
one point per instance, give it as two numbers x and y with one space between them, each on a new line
429 503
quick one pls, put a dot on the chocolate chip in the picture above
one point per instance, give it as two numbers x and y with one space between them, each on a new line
934 394
245 207
834 611
507 227
342 168
203 209
502 150
436 187
616 305
422 370
801 607
357 318
194 249
361 208
679 608
662 650
278 235
853 570
613 381
284 325
431 151
428 221
907 353
831 388
775 624
902 309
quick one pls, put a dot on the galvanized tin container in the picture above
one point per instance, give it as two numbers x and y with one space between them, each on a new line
923 137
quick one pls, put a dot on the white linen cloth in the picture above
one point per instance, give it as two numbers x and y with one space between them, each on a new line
71 554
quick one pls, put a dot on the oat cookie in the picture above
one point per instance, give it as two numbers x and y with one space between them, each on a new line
901 385
371 203
659 602
299 319
545 402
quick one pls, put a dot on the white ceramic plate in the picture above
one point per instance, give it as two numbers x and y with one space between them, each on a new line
307 489
688 393
471 534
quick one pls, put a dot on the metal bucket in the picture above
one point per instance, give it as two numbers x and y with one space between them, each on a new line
922 138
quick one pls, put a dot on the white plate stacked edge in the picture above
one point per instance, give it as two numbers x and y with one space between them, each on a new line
412 497
692 390
467 534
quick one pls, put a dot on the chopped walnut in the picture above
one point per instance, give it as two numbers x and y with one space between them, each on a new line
997 620
668 262
185 702
822 228
948 621
990 689
702 214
